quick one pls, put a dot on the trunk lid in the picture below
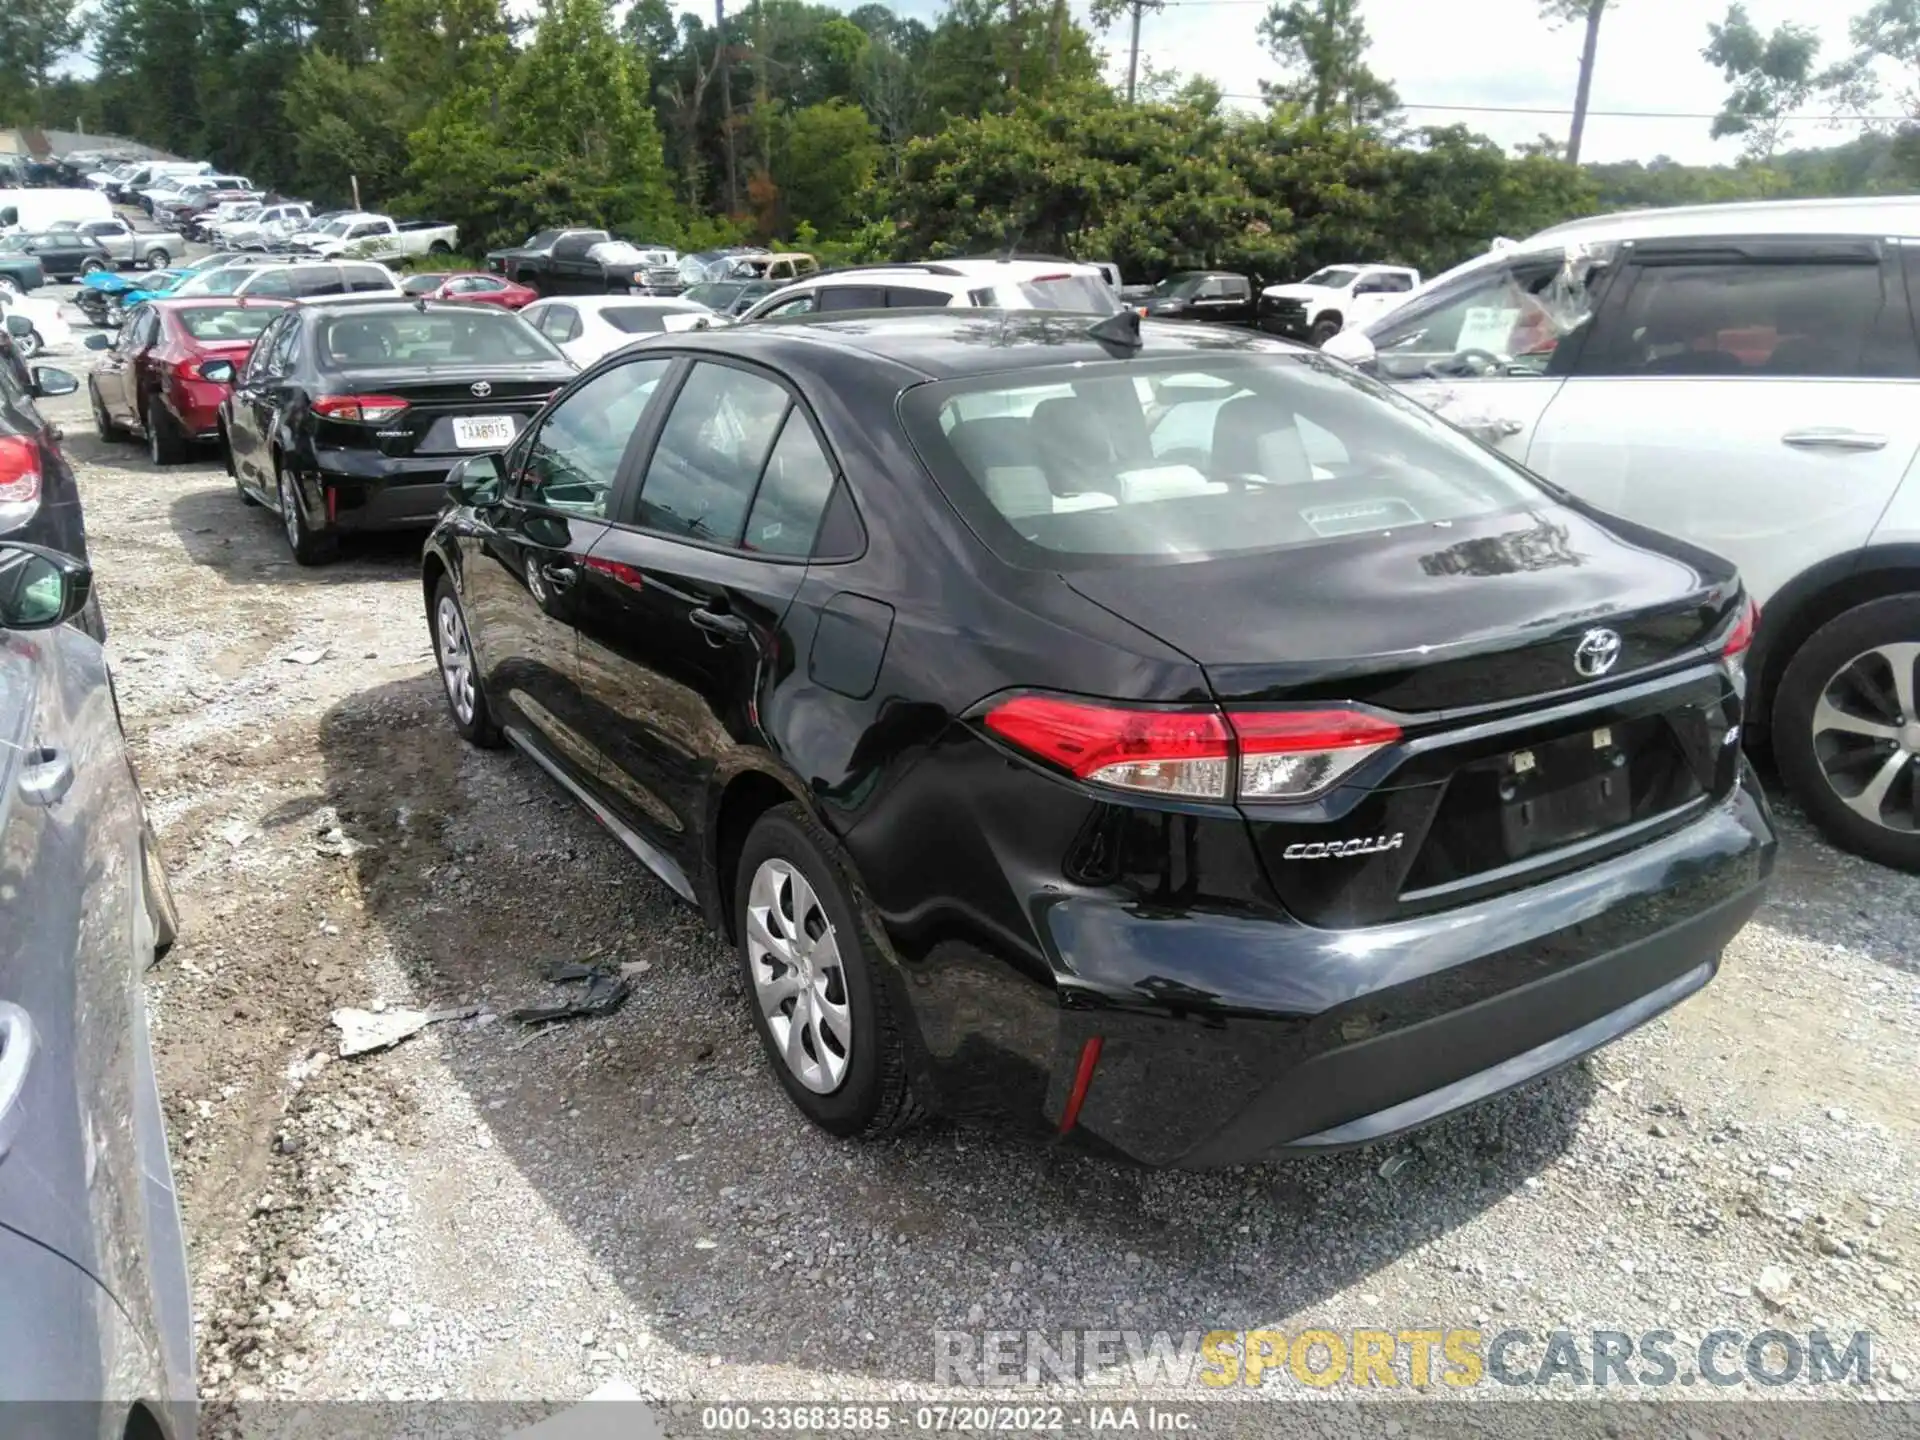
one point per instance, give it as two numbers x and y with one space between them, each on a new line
1427 619
1512 765
444 414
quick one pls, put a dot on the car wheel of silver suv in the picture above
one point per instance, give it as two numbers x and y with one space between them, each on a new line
1846 730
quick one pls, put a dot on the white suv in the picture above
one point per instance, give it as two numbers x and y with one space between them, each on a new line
1004 284
1746 377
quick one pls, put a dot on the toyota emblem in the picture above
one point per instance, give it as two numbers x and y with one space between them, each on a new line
1596 653
481 388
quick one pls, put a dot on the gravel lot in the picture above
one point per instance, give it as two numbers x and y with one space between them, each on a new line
489 1213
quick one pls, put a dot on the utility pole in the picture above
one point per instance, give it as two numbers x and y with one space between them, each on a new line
726 103
1595 9
1133 51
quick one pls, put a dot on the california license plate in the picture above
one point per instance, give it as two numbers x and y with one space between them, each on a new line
482 432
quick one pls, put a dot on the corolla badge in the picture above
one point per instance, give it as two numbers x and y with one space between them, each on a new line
1596 653
1342 849
481 388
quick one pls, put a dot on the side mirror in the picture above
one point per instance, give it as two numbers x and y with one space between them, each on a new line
49 381
40 588
474 480
220 372
97 341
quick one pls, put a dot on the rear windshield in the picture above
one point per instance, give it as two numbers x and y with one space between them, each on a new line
1050 292
1187 458
640 319
226 322
409 338
422 284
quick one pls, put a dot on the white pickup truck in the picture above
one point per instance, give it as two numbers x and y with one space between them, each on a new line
1319 307
376 237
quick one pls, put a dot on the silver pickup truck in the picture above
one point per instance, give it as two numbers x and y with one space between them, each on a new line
154 249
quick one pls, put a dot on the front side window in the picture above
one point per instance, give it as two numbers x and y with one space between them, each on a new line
906 297
560 324
1181 460
1508 320
799 305
574 457
1800 319
713 448
267 283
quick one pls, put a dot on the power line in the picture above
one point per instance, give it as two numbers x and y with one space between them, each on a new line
1611 114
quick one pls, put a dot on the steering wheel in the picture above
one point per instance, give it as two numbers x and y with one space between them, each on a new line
1464 364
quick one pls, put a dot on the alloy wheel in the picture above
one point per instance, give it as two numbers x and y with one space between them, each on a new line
799 981
28 345
456 659
1866 736
290 509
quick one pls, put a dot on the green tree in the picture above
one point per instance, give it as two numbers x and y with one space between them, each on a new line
826 160
1322 47
1771 75
34 36
349 123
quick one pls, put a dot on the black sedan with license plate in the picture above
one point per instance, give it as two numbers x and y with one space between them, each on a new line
349 412
1156 736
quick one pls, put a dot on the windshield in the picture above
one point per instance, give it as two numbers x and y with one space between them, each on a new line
409 338
1051 292
215 323
540 240
645 319
1192 457
422 284
1334 277
1177 287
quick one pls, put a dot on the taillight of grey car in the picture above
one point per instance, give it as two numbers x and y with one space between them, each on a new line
1156 737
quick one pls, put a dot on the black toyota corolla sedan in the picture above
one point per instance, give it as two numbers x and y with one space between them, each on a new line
350 411
1159 736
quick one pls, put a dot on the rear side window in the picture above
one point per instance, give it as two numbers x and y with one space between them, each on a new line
716 442
905 297
1088 293
324 280
1185 459
851 297
366 278
267 282
793 493
1809 320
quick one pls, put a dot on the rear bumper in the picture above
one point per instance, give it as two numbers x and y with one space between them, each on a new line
363 490
1227 1039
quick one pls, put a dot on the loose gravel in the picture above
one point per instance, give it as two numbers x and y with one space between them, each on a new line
488 1212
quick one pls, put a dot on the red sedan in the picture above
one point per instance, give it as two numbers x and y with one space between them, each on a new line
472 286
151 381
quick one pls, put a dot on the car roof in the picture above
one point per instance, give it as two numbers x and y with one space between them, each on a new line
171 304
956 343
1873 215
398 304
593 304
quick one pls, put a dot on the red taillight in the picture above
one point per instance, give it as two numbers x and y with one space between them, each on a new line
1281 754
365 409
1290 754
1741 636
1161 752
19 471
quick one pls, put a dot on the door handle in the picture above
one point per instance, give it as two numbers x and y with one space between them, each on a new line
719 623
47 775
1833 437
16 1053
560 577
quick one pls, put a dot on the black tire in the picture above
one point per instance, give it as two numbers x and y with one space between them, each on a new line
165 444
479 728
1817 665
29 345
439 247
1323 331
875 1096
92 266
108 430
309 546
157 258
